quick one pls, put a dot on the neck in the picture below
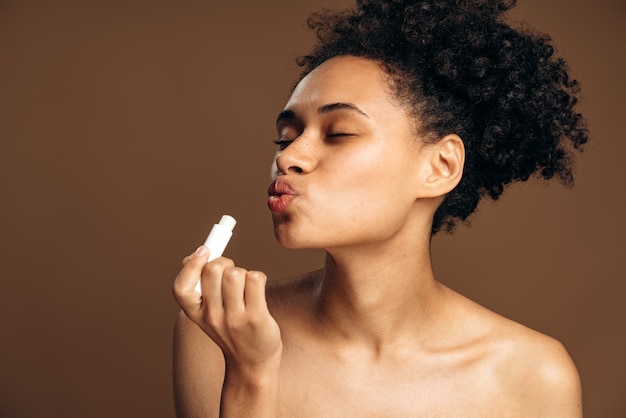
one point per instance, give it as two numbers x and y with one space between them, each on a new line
378 296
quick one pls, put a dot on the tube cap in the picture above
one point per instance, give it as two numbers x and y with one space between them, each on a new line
228 222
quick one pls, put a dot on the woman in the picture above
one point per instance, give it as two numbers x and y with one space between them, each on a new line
407 113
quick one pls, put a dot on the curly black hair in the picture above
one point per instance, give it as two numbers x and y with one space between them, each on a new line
462 69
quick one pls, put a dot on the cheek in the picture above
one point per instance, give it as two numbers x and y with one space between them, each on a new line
379 197
373 176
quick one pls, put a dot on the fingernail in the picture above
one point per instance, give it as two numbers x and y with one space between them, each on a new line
202 250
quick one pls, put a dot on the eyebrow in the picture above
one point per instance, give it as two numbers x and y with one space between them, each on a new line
329 108
333 107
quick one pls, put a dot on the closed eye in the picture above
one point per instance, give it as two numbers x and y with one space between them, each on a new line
339 136
282 143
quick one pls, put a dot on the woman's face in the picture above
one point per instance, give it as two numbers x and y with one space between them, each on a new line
346 169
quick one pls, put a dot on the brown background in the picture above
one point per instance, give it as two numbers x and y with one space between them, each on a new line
128 127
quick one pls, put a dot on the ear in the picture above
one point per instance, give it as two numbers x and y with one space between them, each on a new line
444 166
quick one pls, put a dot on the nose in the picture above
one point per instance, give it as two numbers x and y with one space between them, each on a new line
297 158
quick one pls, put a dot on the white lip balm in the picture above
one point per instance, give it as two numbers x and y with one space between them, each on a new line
218 239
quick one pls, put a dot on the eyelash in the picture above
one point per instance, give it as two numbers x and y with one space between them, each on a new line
284 143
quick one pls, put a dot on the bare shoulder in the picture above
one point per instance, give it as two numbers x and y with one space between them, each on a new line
534 371
543 373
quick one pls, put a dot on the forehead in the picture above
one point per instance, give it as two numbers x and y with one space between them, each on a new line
344 79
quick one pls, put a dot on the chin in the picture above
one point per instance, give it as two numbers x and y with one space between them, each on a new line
288 238
290 242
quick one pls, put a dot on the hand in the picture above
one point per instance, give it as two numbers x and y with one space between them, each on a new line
232 310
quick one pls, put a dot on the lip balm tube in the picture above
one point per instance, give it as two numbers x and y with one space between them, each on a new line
218 239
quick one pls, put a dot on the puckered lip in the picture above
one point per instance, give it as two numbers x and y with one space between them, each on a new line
280 187
280 195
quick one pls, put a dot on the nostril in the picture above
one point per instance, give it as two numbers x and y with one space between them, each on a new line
296 169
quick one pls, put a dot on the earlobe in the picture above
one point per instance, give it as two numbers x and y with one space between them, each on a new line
446 165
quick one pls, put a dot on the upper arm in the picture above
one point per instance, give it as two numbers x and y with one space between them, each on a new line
198 371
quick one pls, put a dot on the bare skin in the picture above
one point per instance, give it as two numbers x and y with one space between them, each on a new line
372 333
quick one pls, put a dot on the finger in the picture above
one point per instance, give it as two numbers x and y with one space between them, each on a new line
211 283
187 278
254 294
233 284
186 259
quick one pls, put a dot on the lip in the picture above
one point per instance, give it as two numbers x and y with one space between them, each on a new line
280 195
